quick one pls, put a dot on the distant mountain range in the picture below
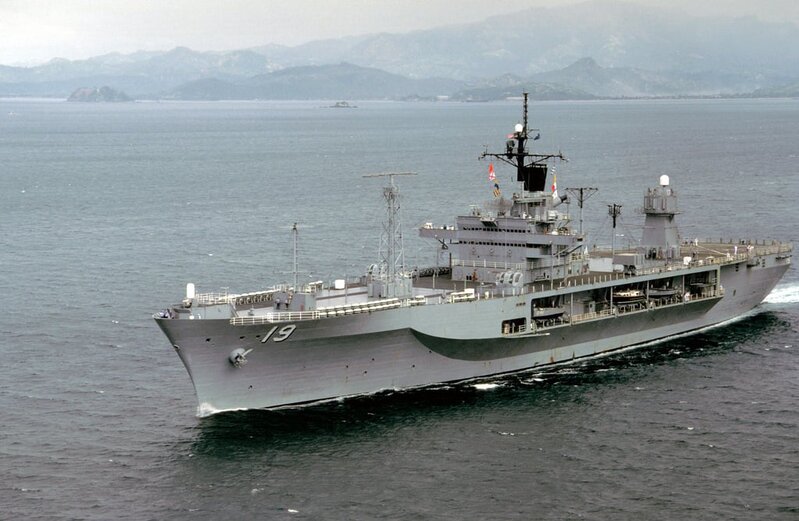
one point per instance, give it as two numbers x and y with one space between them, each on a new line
344 80
142 74
601 48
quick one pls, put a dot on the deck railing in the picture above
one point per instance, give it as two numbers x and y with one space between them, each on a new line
591 315
492 265
279 316
210 299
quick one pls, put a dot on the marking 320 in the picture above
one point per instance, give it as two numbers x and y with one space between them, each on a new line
282 334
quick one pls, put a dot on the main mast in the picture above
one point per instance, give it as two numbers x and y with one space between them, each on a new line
530 168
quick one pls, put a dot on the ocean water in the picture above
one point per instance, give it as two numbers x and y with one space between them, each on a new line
106 211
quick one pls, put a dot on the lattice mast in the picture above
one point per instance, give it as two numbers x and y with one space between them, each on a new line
392 253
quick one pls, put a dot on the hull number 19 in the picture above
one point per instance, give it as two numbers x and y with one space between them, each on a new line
282 334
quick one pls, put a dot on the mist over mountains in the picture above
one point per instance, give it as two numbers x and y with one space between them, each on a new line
601 48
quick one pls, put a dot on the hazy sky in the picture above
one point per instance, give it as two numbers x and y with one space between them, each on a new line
33 31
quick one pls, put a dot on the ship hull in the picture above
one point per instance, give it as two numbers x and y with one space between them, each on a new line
425 345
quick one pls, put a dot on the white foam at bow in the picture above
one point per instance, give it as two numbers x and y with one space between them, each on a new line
783 295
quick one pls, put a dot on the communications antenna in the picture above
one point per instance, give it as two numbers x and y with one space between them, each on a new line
294 234
582 194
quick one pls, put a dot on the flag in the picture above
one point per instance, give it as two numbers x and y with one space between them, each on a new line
554 185
493 178
537 137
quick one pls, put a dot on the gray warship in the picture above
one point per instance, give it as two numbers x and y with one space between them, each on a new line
518 289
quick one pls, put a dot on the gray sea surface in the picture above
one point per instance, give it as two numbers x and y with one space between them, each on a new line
108 210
